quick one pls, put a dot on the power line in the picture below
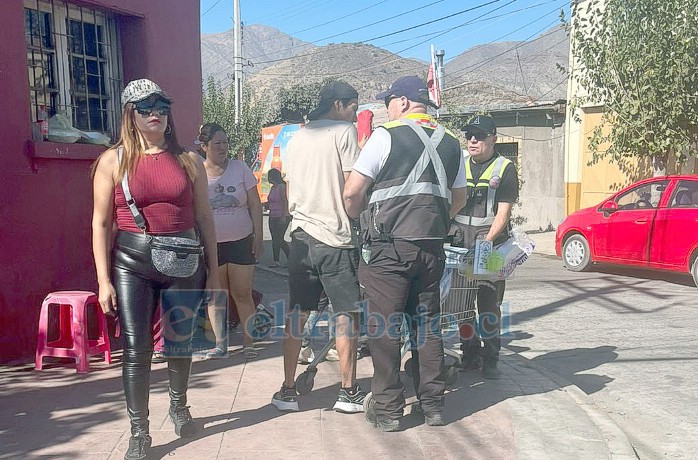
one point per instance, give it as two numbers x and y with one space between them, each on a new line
212 7
348 32
524 42
421 66
362 69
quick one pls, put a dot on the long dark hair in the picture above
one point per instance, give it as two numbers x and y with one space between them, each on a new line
274 177
206 133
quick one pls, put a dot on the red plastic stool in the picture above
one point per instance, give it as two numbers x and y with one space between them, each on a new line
73 342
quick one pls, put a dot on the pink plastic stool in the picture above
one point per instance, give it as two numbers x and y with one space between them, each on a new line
73 340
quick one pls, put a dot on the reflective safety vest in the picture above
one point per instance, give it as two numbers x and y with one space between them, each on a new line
478 215
411 195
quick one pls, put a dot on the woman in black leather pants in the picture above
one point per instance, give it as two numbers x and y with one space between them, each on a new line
169 187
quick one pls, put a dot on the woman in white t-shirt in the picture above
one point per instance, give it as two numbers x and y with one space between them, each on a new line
237 213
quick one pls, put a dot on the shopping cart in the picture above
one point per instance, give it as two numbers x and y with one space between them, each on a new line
458 294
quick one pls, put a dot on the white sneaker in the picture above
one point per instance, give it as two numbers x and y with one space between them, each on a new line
306 356
332 355
350 402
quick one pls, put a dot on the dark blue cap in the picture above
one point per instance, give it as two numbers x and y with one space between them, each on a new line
483 123
412 87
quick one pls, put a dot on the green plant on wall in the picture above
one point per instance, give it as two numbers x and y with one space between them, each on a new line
638 59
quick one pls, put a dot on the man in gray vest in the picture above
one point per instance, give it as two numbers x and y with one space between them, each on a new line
493 187
414 169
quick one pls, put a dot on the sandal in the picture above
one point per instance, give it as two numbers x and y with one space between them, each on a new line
216 353
250 352
158 357
274 265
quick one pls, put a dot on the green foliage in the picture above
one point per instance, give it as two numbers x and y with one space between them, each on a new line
639 58
219 107
295 102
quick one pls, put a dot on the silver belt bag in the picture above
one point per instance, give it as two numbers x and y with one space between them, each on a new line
174 256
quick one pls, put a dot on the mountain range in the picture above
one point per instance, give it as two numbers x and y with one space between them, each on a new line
493 75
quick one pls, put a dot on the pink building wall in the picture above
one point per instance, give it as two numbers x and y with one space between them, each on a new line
46 200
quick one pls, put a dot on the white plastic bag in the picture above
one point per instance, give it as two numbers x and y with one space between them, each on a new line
499 263
61 130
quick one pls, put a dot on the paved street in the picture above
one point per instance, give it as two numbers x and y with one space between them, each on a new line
594 362
625 337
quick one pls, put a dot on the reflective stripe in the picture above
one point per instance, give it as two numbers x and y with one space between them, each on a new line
495 169
474 221
411 186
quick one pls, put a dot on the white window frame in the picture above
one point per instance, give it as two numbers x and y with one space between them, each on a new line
61 11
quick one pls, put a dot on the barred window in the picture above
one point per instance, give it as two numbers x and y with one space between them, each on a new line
74 64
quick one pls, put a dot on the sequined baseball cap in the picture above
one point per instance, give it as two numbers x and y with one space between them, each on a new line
137 90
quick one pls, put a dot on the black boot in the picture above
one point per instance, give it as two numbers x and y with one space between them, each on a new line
178 370
138 447
184 424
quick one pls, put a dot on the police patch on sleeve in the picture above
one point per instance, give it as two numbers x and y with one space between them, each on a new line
495 181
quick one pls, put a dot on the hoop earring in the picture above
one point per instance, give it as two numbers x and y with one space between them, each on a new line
168 130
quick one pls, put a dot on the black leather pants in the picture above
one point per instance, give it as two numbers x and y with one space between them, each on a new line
139 291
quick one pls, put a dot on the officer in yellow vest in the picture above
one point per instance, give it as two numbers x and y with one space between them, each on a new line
413 171
493 187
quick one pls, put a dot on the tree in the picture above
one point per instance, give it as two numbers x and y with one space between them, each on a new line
639 58
219 107
295 102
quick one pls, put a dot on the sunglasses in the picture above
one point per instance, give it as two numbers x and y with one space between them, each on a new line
478 135
159 108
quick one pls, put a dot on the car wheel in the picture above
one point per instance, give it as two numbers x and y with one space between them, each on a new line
694 272
575 253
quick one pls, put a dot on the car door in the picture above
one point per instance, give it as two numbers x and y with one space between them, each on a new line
676 228
627 231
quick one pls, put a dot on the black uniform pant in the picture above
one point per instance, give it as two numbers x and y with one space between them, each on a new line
140 291
488 329
403 277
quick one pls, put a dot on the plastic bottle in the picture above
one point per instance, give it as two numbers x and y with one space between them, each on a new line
276 159
43 122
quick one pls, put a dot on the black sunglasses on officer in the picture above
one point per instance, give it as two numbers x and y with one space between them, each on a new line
477 134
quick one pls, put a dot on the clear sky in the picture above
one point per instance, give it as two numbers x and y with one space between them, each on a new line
383 23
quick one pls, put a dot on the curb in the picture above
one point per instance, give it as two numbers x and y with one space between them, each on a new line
618 443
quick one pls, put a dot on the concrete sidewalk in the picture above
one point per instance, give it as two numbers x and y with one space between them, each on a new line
528 414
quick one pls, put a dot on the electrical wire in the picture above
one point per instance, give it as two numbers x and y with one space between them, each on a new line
212 7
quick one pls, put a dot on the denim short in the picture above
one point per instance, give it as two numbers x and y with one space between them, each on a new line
314 266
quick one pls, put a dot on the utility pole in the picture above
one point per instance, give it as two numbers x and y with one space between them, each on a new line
237 59
440 74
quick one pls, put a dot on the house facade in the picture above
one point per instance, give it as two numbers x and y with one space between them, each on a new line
72 58
588 181
533 137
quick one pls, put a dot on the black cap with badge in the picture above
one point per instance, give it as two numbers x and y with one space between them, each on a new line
484 123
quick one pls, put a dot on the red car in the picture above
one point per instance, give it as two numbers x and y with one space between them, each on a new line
650 224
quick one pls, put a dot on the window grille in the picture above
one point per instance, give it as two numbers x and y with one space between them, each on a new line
74 64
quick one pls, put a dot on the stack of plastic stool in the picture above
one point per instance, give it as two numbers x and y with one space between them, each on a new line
71 308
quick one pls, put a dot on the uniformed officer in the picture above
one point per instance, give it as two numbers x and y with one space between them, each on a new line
415 172
493 188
